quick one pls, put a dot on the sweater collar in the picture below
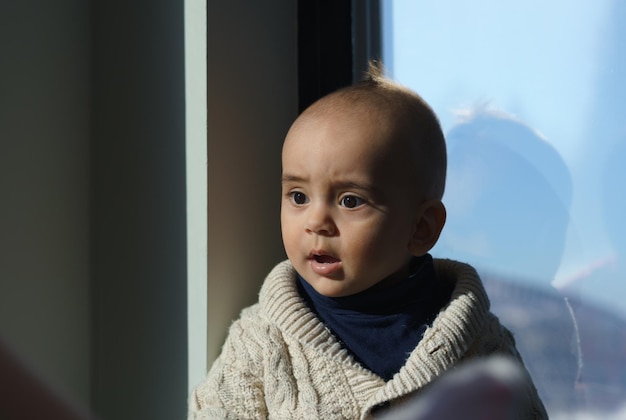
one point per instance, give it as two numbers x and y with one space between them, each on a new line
456 327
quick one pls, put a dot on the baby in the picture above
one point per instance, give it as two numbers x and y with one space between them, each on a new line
360 316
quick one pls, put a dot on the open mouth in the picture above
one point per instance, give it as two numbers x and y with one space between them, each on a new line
324 264
325 259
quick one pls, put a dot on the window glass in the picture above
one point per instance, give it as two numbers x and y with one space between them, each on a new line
531 96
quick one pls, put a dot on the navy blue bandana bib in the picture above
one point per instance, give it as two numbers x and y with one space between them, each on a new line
382 326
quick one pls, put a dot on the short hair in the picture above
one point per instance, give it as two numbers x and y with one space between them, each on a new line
411 116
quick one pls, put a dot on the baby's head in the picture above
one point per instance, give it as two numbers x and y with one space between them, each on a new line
363 176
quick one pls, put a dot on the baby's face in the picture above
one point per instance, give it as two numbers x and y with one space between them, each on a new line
346 214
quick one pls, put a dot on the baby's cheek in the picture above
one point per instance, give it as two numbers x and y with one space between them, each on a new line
372 248
387 249
290 241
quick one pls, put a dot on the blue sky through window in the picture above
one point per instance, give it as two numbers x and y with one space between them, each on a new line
558 68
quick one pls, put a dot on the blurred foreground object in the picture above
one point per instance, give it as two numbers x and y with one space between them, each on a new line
483 389
25 396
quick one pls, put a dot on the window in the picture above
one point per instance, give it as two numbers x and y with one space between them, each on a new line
531 96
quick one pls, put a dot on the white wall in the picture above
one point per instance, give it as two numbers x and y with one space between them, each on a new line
197 188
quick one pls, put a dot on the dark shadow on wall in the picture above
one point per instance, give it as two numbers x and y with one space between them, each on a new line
324 48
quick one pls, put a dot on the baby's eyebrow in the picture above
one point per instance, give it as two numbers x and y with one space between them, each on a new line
350 185
291 178
342 185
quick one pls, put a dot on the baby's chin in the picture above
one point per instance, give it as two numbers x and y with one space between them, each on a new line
336 288
329 287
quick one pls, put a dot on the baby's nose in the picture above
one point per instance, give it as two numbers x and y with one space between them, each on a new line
320 221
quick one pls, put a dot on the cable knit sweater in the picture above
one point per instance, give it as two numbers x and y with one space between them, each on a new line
280 362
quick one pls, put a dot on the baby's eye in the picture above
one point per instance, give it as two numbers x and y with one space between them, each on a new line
298 198
351 201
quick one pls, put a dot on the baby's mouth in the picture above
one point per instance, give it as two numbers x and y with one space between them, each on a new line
324 264
325 259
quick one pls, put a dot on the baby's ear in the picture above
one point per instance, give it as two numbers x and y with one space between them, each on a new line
429 221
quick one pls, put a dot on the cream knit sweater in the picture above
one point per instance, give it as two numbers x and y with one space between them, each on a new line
280 362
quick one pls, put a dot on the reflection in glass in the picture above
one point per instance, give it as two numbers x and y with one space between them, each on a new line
531 97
